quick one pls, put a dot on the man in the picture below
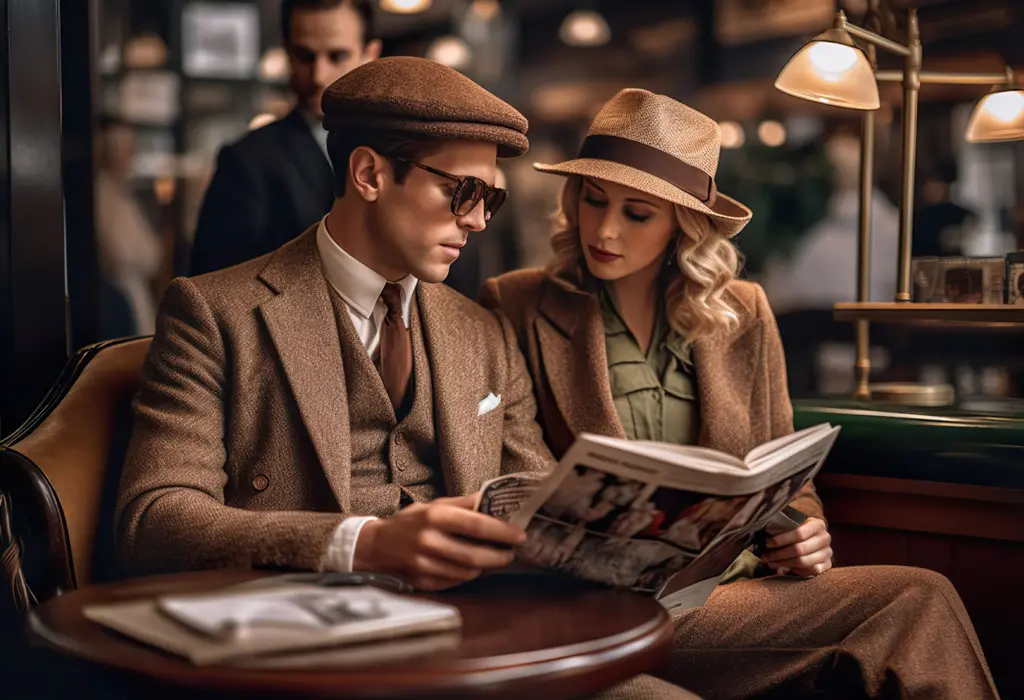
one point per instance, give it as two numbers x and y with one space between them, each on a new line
289 398
276 181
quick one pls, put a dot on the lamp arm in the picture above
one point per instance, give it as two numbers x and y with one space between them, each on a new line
876 39
940 78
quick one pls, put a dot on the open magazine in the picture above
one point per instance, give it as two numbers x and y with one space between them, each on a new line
658 518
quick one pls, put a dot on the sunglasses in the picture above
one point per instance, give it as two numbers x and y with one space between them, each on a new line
469 191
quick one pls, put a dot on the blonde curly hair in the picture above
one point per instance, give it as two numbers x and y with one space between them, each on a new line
705 263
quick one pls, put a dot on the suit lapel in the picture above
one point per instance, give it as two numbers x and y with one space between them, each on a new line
726 364
570 332
457 380
300 321
308 160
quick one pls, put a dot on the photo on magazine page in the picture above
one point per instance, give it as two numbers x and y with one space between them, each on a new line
624 532
738 535
504 495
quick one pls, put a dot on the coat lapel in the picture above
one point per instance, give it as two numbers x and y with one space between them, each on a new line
726 365
301 324
458 380
570 332
308 160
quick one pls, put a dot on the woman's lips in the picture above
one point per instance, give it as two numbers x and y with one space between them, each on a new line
602 255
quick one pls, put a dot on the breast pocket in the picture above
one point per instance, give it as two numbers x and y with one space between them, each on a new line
680 385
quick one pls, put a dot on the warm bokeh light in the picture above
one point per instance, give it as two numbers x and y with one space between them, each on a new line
485 9
451 51
584 28
405 7
771 133
732 135
274 65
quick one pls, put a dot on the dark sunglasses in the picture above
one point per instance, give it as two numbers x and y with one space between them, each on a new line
469 191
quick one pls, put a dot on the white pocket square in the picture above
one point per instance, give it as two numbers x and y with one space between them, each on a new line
488 404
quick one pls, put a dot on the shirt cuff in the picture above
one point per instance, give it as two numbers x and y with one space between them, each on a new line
342 548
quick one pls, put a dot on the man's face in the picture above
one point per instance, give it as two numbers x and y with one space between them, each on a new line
323 46
413 221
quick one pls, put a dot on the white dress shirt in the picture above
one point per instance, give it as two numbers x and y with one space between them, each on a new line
360 288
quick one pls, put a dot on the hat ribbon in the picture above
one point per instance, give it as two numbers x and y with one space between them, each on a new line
652 161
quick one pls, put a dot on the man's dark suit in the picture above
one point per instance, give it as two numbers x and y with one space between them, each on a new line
268 188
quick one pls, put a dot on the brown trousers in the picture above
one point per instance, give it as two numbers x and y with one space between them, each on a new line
870 631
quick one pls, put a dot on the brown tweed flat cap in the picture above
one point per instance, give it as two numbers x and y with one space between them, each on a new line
420 96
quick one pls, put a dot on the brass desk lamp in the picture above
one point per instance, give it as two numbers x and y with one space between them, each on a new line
832 69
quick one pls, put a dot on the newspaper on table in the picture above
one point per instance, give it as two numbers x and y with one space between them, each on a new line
663 519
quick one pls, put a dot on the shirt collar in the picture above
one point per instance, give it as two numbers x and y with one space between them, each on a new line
356 283
316 128
663 332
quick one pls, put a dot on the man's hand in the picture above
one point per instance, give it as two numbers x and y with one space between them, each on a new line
805 551
427 544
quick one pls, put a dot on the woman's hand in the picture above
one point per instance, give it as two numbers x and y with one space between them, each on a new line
804 551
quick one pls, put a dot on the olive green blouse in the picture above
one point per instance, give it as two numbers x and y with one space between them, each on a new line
655 395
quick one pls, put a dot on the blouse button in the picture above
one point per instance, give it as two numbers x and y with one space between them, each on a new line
260 482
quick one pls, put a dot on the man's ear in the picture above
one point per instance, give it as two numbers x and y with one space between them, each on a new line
371 52
366 172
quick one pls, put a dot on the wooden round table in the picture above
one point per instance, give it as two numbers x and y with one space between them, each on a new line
521 635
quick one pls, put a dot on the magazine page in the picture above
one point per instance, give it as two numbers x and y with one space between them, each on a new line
739 533
765 450
604 517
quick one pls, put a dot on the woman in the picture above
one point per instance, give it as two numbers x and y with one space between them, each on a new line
640 329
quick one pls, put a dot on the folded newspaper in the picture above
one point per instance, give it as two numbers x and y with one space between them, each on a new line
655 517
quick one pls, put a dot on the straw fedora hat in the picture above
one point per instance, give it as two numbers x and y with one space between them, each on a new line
657 145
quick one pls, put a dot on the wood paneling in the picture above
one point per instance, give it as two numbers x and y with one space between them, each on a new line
973 535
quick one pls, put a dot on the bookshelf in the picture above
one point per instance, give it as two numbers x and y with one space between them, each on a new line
964 316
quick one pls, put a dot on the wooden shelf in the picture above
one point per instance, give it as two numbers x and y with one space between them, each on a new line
945 316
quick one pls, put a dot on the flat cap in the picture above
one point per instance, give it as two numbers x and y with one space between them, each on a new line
420 96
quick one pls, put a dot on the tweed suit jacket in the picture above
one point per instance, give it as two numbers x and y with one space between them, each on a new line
241 454
741 373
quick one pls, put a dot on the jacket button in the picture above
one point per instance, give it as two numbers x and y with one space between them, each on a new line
260 482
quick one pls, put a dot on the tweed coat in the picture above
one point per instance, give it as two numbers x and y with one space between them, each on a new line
240 453
741 373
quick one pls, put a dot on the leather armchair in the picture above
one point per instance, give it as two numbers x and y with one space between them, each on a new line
59 474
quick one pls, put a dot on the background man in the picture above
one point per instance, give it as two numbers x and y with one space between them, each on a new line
276 181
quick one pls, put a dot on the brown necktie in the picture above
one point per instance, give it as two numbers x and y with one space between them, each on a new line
395 346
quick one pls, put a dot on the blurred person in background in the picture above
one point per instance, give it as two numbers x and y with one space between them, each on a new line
276 181
941 224
128 247
822 270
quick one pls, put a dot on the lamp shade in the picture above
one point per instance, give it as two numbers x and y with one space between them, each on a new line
832 70
999 116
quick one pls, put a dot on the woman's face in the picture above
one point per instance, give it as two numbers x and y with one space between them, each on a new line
623 231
